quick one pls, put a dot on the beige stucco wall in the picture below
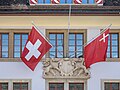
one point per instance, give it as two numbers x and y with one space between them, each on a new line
59 20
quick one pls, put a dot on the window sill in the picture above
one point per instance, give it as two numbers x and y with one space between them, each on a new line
113 60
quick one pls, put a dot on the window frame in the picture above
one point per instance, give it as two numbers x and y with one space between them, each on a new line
77 83
4 83
11 81
1 45
66 82
56 52
103 81
111 47
66 2
65 32
114 31
56 83
20 43
11 42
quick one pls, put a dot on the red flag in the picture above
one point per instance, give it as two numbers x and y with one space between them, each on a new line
33 2
36 47
96 50
55 1
100 2
77 1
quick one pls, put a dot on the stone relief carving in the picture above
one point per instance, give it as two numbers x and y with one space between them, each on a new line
64 67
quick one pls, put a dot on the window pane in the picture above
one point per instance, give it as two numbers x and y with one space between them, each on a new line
114 36
91 2
56 86
71 42
4 48
69 1
60 42
57 41
111 86
84 1
76 86
3 86
5 42
59 36
4 45
113 46
17 36
20 86
17 48
16 54
25 36
115 55
19 43
52 36
4 36
75 44
47 1
5 54
62 1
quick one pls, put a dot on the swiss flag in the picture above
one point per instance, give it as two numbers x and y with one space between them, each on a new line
36 47
96 50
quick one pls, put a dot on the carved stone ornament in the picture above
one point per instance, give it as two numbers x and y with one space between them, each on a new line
64 68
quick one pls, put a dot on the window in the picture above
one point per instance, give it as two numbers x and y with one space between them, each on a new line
75 44
19 43
3 45
57 40
111 86
20 86
64 48
88 1
49 1
113 44
3 86
11 84
76 86
66 1
56 86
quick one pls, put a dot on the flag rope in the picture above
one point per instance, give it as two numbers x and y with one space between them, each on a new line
68 30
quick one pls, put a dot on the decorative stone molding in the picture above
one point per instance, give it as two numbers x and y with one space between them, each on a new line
65 68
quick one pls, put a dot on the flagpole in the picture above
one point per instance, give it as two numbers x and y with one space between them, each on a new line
45 37
68 30
93 38
98 34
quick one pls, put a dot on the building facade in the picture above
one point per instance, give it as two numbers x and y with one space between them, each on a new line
62 68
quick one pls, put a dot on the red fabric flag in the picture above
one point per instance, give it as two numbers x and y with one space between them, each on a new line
55 1
77 1
96 50
99 2
36 47
33 2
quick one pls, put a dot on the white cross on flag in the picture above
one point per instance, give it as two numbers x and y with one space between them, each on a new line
36 47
